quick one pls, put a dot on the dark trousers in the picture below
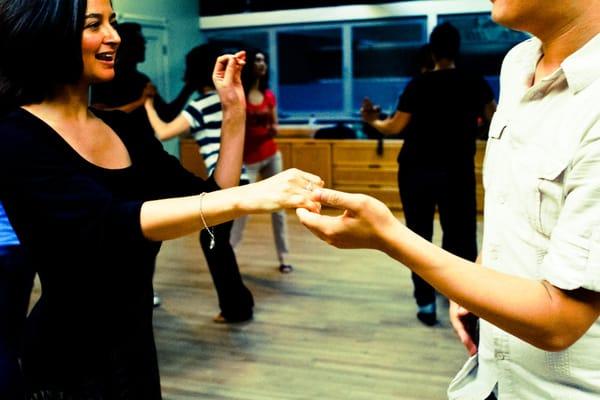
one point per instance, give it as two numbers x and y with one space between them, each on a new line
453 193
235 300
16 282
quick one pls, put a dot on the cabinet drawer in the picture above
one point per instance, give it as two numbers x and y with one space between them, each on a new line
388 195
365 153
377 174
314 158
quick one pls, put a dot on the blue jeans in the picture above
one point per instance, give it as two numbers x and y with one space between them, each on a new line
265 168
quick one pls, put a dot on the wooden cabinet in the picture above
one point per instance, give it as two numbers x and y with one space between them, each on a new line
311 156
479 155
357 168
347 165
286 153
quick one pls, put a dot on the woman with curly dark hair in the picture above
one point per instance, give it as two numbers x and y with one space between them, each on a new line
91 200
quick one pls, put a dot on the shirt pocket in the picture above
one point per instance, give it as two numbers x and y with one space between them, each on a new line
548 196
498 126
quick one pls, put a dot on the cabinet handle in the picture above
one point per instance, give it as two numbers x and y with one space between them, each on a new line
373 166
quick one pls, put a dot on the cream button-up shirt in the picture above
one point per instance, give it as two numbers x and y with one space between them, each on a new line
541 220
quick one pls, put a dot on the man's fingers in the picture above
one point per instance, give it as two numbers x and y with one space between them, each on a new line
317 223
461 311
339 200
308 219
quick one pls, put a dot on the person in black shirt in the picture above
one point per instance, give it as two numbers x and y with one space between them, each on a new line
436 163
91 200
130 87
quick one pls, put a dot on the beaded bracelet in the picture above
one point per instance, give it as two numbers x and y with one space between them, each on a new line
210 232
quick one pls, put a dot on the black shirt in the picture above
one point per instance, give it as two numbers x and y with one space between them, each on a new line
444 107
125 88
91 331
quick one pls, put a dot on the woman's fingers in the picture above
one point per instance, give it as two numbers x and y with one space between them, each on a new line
228 67
220 66
234 67
240 56
314 179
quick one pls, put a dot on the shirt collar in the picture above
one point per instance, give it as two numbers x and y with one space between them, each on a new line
579 70
582 68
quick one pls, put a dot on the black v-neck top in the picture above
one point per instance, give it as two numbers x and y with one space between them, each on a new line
91 330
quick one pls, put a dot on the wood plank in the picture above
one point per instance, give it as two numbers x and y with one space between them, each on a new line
341 326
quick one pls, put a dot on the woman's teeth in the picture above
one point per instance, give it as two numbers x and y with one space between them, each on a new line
105 56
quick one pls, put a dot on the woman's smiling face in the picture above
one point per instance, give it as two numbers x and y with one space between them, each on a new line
99 42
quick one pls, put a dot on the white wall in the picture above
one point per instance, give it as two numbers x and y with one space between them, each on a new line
183 34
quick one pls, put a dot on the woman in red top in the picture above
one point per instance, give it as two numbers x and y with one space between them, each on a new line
261 155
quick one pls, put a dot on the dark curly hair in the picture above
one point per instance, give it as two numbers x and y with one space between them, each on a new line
199 65
445 41
248 77
41 47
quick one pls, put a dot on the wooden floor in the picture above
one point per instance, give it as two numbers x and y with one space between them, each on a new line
341 326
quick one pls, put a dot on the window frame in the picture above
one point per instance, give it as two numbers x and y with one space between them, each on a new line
345 18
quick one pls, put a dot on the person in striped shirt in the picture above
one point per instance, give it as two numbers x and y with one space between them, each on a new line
202 118
16 282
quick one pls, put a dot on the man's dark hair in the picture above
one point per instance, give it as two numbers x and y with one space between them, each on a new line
248 77
40 47
445 41
424 59
199 65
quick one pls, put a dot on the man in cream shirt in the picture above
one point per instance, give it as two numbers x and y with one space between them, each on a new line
538 288
544 144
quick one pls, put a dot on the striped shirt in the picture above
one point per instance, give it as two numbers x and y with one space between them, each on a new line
205 116
7 234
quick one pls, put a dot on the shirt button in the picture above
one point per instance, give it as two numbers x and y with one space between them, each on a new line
499 355
493 252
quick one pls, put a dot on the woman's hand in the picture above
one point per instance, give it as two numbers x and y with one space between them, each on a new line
228 81
365 222
291 188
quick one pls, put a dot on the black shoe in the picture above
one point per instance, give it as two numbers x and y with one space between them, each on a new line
285 268
429 319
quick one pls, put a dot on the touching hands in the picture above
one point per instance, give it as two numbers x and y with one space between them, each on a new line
465 325
365 223
368 111
228 81
291 188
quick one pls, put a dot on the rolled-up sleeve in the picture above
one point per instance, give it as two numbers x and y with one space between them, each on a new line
573 258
